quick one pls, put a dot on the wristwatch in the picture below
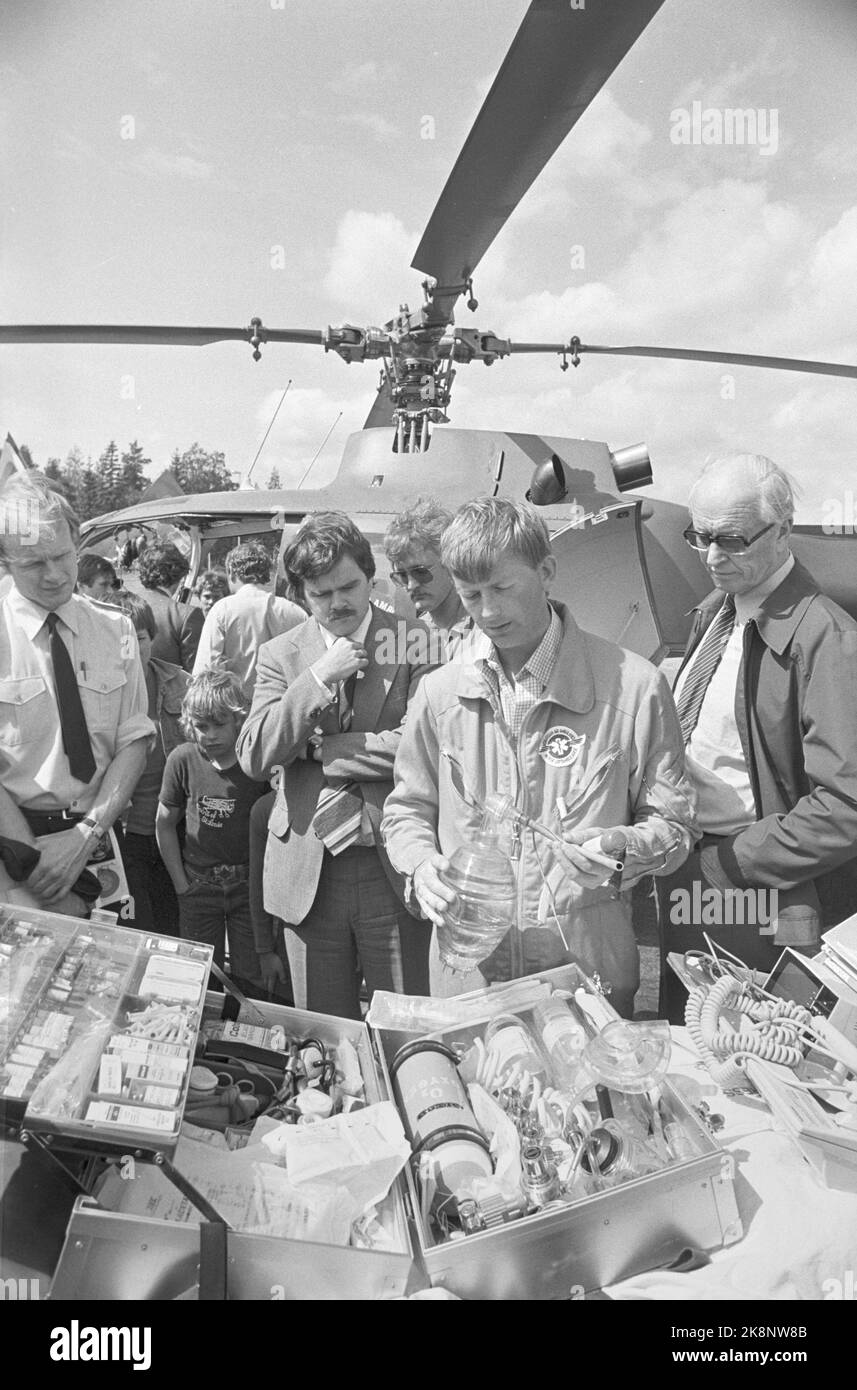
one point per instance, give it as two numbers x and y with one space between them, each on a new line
91 828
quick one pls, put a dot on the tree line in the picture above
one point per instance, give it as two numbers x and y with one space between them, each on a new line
116 479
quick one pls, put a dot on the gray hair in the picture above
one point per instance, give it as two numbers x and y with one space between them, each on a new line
482 532
776 490
423 524
29 506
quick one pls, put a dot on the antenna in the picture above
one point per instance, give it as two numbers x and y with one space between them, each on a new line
267 432
319 449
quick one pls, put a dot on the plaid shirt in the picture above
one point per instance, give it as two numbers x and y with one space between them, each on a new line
512 698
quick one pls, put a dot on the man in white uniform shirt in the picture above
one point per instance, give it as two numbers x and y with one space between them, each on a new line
765 698
74 731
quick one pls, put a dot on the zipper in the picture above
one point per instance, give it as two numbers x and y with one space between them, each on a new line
596 777
522 790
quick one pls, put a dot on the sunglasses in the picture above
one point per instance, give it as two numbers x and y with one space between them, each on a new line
732 545
421 574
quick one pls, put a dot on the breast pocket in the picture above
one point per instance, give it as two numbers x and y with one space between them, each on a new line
101 697
24 710
596 781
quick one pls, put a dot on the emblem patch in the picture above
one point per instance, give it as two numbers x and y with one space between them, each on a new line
561 747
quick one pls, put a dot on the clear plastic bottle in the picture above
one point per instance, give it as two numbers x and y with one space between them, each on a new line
483 878
563 1040
510 1046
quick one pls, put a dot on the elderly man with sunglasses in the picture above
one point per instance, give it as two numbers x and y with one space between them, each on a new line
766 700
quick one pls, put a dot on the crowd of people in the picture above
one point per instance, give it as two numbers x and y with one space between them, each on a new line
287 778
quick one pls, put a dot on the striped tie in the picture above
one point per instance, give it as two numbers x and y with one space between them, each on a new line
705 663
339 814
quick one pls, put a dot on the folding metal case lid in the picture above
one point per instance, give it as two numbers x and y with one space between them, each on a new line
107 1254
329 1029
98 1026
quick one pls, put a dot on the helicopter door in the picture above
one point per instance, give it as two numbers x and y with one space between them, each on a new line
601 575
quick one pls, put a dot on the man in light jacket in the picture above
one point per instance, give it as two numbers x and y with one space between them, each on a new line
580 734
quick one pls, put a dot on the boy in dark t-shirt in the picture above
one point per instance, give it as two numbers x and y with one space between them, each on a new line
204 784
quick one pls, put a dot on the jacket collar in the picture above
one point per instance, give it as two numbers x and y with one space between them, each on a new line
779 614
782 611
171 682
165 670
571 684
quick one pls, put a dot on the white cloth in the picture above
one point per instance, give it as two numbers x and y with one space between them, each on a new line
798 1235
714 757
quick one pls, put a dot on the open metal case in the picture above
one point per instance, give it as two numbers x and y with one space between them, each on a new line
98 1028
554 1254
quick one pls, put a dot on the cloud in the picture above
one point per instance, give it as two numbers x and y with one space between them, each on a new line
826 287
837 157
159 163
605 145
382 129
369 262
153 67
748 83
714 258
355 80
71 146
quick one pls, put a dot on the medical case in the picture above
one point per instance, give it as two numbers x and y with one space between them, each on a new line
559 1253
98 1028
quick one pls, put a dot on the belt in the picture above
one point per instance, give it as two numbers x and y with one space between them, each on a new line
221 874
50 822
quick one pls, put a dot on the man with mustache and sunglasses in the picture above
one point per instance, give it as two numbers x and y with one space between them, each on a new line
765 697
326 721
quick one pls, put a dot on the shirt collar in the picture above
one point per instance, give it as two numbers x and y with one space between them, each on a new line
358 636
748 603
540 665
31 616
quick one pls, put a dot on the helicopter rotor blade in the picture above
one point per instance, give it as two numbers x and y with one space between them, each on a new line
737 359
151 335
559 59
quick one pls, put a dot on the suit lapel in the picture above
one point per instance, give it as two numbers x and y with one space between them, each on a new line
309 642
371 692
309 645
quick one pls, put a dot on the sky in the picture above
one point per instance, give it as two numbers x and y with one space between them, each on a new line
203 161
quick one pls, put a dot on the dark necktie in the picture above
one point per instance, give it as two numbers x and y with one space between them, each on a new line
346 702
75 735
705 662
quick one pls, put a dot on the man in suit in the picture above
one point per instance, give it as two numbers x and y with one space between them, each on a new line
765 697
326 720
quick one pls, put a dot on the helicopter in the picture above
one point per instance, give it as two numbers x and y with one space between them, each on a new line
622 561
